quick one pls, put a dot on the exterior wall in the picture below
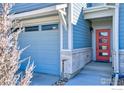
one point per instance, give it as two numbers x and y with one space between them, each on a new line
94 4
81 39
81 28
121 26
76 60
89 5
19 8
121 37
80 55
24 7
121 60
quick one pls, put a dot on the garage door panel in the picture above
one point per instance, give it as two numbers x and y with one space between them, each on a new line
44 50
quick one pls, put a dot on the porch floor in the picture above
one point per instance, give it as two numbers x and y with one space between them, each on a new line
43 79
94 73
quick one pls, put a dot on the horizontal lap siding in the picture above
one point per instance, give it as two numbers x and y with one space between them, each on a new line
121 26
24 7
89 4
81 30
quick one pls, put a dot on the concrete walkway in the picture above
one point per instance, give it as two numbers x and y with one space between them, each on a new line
94 73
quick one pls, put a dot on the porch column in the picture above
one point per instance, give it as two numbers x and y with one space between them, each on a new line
70 25
115 39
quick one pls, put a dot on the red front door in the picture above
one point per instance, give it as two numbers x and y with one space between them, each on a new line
103 45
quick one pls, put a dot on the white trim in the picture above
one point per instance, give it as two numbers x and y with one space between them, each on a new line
94 44
61 46
81 50
61 36
62 23
62 18
97 8
115 39
99 14
70 32
39 11
62 11
78 50
98 11
40 21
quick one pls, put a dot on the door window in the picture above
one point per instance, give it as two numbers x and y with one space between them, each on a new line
103 33
103 54
103 40
103 47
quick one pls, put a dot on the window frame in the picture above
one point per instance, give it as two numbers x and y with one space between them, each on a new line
41 26
32 30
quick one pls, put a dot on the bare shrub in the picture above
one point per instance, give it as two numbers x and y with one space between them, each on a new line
9 51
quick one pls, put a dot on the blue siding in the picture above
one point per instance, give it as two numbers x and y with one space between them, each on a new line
121 26
89 4
44 50
24 7
81 28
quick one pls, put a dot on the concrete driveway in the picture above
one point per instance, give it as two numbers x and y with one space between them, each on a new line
44 79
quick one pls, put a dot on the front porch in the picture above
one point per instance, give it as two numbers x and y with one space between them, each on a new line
94 73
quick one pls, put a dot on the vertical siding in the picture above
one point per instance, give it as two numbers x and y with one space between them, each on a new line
81 28
121 26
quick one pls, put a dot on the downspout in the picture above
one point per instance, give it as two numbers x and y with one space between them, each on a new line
116 34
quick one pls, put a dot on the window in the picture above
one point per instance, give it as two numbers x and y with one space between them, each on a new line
103 54
49 27
103 33
31 28
103 40
103 47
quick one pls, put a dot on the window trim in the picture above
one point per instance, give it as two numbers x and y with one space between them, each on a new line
44 23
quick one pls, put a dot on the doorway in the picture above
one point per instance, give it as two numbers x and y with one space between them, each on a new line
103 45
